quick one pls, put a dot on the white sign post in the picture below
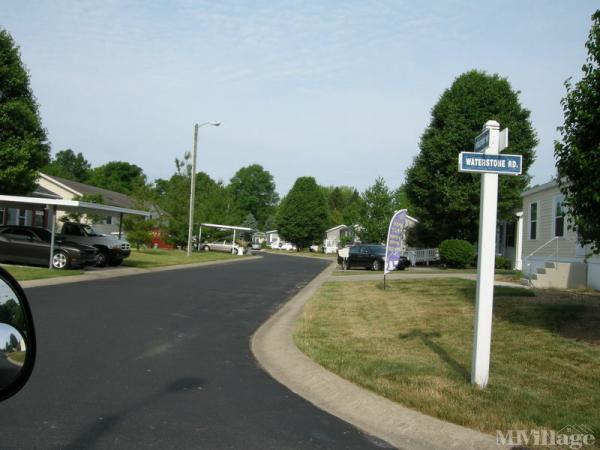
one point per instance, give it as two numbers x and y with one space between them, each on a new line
490 165
482 339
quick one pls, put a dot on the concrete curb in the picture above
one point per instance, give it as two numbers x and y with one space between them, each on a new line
273 346
124 272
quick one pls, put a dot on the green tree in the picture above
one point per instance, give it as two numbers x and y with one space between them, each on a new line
249 222
447 202
344 204
67 164
213 203
24 148
401 199
376 212
303 215
253 191
118 176
578 152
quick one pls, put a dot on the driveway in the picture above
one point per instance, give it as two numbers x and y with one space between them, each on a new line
162 360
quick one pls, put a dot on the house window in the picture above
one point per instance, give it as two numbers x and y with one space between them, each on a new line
38 219
533 220
559 216
510 234
22 217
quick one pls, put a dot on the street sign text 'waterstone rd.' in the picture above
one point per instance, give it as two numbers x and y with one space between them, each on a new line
490 163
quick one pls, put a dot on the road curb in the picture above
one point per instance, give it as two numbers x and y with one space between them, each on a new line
274 348
124 272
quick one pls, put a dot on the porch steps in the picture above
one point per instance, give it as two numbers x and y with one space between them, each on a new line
559 275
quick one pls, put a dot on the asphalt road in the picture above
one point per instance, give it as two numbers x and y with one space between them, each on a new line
163 361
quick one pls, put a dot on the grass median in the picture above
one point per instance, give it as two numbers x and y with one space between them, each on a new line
412 344
149 258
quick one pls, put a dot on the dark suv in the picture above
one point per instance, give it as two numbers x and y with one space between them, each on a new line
369 256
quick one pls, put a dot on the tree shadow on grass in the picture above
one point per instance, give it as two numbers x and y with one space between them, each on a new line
426 339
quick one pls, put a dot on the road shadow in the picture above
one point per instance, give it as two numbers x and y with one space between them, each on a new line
106 422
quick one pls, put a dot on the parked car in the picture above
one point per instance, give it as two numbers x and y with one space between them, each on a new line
31 245
223 246
278 245
111 251
369 256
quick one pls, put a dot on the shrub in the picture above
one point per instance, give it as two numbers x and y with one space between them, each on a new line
503 263
456 253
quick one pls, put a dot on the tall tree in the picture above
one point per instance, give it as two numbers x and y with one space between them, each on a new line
69 165
446 202
376 212
24 148
344 204
303 215
253 191
118 176
578 153
249 222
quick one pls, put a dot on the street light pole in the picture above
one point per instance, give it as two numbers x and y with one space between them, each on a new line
193 184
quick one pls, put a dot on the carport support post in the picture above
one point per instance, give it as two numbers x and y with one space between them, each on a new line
233 242
52 234
120 224
199 237
482 338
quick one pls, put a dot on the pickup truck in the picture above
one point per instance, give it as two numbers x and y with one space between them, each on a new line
111 251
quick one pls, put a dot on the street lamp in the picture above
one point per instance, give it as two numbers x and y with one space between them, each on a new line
193 184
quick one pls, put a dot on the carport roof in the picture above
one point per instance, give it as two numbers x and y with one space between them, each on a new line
39 203
225 227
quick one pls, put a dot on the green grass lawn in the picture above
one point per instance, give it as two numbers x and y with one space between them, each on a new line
161 257
23 273
412 344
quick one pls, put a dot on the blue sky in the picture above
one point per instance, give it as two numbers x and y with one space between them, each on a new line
341 91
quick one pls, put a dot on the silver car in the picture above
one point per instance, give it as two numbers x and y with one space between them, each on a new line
223 246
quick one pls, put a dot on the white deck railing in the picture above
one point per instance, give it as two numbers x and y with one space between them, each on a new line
422 255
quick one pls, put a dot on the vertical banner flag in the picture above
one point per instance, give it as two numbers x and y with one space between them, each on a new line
394 241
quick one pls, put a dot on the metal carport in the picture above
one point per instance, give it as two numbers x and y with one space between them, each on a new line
54 205
221 227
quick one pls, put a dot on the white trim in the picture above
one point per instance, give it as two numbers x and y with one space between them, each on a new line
59 184
336 228
15 201
540 188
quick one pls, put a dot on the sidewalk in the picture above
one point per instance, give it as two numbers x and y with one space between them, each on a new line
274 348
105 273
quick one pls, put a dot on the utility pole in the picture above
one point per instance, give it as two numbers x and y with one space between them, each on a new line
192 191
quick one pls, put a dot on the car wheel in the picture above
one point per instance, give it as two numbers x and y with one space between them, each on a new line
206 248
345 265
376 265
102 258
234 251
60 261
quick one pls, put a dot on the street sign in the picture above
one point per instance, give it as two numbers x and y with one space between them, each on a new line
482 141
503 140
489 163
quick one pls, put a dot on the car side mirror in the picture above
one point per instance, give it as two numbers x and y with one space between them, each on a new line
17 337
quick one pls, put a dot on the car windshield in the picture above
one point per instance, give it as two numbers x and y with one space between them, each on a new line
90 231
